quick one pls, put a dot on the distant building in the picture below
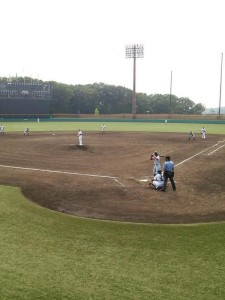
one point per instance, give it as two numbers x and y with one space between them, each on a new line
25 98
213 111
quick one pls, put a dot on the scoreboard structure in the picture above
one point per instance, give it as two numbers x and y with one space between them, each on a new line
25 98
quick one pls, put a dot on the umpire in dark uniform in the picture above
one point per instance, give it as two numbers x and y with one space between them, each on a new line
168 173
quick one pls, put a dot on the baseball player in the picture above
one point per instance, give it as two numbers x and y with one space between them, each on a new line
191 136
158 181
203 131
80 134
26 131
2 129
156 166
103 127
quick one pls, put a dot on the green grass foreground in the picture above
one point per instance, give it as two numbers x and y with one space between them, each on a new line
114 126
52 256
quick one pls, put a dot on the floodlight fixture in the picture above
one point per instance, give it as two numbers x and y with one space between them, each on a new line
134 51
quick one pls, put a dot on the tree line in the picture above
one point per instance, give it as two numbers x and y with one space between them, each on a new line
111 99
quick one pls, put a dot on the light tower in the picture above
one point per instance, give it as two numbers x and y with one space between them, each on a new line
134 51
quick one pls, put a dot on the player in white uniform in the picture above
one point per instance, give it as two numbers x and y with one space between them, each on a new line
156 166
158 181
80 137
26 131
2 128
203 131
103 127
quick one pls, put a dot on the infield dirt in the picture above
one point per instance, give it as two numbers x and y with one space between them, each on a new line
106 178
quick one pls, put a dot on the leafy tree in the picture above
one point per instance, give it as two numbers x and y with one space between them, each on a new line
96 112
110 99
61 95
143 104
160 104
198 109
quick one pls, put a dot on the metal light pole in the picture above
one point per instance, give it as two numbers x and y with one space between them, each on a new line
134 51
170 92
221 73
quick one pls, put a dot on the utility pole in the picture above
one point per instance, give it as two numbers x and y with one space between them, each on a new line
221 74
171 77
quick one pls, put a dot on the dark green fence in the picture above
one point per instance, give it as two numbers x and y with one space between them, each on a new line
199 119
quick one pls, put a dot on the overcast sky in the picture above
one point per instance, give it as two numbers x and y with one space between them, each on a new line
83 41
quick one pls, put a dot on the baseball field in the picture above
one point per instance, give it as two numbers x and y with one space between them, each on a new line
80 222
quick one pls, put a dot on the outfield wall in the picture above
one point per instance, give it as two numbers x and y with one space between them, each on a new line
160 118
144 116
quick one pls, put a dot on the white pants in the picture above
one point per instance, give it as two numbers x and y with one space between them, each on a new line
158 184
156 168
80 140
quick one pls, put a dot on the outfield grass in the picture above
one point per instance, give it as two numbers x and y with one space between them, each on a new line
51 256
114 126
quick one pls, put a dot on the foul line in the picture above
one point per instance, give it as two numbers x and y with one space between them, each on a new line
60 172
117 181
64 172
105 176
216 149
200 153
